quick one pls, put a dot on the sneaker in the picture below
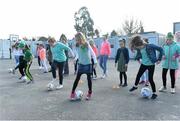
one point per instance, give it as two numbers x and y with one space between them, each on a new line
154 96
72 97
59 87
124 85
45 72
120 84
133 88
88 97
162 89
94 78
30 82
173 91
103 76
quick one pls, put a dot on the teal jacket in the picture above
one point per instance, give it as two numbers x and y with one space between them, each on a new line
171 53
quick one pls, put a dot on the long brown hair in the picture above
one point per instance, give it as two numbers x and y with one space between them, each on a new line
80 37
136 41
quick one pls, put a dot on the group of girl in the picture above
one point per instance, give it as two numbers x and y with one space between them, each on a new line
86 60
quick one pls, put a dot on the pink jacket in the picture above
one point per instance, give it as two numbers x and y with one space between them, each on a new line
105 48
95 50
42 54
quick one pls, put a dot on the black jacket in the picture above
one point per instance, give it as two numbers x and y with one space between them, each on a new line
125 52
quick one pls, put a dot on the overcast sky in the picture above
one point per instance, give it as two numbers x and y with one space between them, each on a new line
53 17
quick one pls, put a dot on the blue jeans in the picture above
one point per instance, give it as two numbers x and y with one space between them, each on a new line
103 62
16 59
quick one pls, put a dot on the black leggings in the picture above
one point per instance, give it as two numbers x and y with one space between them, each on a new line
172 75
60 66
21 65
142 69
76 65
39 61
77 81
94 70
121 76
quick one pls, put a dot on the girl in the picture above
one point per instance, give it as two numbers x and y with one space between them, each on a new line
170 61
93 46
85 53
39 60
42 55
148 54
59 59
64 40
105 52
49 56
177 37
28 61
122 58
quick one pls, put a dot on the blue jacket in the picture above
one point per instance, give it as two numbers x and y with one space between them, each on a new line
125 52
151 51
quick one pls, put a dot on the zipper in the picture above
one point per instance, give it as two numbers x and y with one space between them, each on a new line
169 56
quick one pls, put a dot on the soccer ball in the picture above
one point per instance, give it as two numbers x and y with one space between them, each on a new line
50 87
79 94
10 70
146 92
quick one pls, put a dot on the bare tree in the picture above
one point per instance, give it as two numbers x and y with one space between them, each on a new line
132 26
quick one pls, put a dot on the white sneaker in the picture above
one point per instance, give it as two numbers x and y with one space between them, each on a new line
173 90
59 87
162 89
103 76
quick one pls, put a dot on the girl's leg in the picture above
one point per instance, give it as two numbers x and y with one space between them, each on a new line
45 65
28 74
66 67
60 70
53 68
172 75
151 74
76 82
89 82
142 69
120 78
39 61
125 79
164 73
105 63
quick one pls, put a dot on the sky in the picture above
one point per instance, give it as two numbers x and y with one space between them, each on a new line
32 18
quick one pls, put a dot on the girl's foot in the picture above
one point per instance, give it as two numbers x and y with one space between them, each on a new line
88 97
72 97
173 91
154 96
133 88
124 85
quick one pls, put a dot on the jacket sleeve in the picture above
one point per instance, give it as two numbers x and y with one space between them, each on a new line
117 56
160 49
127 56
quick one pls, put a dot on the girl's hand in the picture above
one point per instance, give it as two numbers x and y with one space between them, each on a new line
126 65
174 58
158 62
163 57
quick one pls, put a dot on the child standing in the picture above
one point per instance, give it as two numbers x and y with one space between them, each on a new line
85 53
105 52
148 54
122 58
59 59
170 61
93 46
42 55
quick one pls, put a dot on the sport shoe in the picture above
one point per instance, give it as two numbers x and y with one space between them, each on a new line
173 91
162 89
124 85
72 97
154 96
59 87
30 82
120 84
88 97
103 76
133 88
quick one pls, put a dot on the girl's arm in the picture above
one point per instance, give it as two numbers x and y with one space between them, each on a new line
127 56
161 52
117 55
92 54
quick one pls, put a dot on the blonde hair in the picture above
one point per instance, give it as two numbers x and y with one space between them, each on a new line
80 37
51 39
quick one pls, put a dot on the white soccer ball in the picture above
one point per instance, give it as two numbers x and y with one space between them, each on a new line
79 94
50 87
10 70
146 92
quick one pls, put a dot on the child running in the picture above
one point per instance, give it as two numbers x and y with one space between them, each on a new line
170 61
85 53
148 54
122 58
